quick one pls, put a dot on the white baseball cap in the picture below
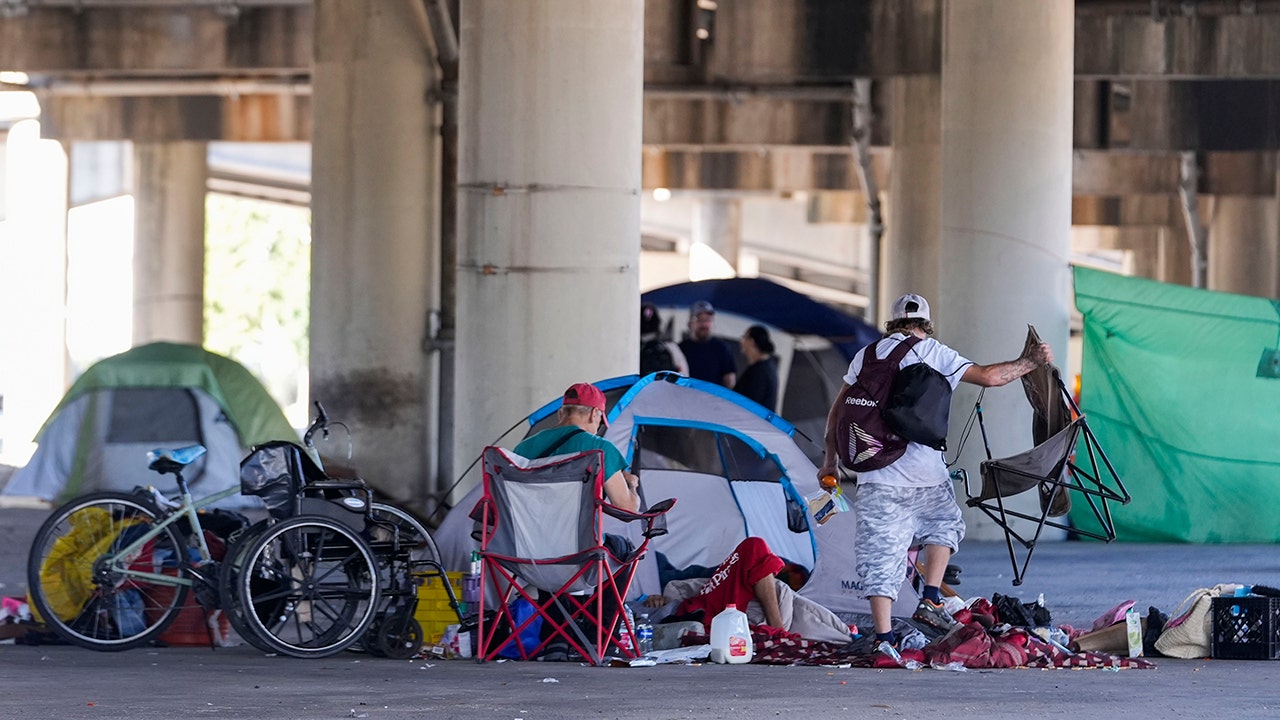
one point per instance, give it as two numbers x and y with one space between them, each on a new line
910 306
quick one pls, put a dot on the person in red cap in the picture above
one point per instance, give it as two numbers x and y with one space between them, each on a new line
581 417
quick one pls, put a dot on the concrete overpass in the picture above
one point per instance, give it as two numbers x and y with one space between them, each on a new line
481 169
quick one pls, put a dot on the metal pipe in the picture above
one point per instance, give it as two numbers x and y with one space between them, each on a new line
446 41
1188 181
442 28
866 176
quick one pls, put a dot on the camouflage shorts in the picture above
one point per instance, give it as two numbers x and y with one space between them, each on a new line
892 520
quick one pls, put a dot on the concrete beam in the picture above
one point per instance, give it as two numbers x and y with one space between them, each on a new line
807 169
245 118
1098 172
1198 46
1134 211
167 41
822 40
773 170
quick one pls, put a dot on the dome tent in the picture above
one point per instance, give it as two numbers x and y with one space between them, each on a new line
154 395
732 467
814 341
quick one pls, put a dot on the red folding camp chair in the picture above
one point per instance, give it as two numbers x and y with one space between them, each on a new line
541 526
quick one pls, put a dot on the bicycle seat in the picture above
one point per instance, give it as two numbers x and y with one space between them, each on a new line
164 460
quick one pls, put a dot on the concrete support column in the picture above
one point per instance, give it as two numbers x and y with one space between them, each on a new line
911 259
1244 246
549 204
374 257
718 225
1006 201
33 285
168 242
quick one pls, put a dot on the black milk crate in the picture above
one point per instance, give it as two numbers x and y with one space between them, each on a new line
1246 628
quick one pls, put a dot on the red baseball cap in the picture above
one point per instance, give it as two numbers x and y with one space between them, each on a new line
587 395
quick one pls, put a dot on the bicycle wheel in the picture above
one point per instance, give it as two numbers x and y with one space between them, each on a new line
228 583
308 586
84 589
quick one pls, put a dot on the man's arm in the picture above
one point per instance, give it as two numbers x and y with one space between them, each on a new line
729 380
1004 373
829 455
620 490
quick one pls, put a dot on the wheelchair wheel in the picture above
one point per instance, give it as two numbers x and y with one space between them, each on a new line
91 601
308 586
388 522
399 637
228 587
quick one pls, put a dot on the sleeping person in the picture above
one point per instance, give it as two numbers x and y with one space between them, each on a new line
757 582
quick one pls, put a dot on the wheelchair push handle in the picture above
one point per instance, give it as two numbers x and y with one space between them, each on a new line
320 424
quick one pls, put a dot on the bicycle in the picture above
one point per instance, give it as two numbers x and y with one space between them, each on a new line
111 570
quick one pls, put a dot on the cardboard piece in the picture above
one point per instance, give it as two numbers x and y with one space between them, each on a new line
1110 639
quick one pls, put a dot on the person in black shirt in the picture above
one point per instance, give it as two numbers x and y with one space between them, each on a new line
709 357
760 380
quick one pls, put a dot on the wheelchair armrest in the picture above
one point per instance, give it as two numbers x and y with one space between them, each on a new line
655 522
336 485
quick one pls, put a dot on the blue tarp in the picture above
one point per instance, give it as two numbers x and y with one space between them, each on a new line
772 304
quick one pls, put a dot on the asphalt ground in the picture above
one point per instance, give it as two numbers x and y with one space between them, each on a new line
1079 581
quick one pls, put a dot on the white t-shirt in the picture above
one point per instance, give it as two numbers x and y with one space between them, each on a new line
920 465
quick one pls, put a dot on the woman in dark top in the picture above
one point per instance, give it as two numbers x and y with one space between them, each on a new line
760 380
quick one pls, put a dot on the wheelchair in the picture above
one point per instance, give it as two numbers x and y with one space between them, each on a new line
330 568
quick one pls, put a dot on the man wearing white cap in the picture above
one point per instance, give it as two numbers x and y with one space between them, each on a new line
910 502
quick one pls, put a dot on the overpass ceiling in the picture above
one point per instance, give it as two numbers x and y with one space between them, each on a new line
727 107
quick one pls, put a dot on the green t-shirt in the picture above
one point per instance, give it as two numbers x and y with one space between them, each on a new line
534 445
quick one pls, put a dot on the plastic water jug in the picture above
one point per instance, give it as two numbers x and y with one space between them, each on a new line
731 637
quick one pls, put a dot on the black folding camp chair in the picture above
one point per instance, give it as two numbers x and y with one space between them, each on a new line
1066 459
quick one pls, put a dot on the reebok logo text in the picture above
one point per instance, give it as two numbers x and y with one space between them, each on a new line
859 401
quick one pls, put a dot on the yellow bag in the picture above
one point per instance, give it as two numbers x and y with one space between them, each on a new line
67 573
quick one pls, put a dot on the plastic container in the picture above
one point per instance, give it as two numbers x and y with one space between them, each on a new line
644 635
624 633
1246 628
731 637
1133 626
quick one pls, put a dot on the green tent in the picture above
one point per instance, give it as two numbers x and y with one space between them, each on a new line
152 396
1182 388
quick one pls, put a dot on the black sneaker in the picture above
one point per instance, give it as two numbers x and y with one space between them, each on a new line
555 652
934 616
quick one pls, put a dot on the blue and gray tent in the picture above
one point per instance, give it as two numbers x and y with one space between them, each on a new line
731 465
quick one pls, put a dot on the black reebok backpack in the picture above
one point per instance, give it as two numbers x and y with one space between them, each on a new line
919 406
655 356
864 441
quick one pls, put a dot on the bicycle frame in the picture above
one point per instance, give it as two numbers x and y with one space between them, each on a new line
187 509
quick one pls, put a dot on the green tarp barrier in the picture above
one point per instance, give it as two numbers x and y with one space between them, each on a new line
1182 388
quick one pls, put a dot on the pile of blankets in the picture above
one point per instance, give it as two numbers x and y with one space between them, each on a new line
970 645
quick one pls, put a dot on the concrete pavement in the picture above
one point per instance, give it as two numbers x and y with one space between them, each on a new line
1079 581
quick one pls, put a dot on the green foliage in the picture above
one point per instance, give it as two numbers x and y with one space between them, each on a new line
258 289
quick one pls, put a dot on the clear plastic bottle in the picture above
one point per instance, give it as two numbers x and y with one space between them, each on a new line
644 635
624 635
